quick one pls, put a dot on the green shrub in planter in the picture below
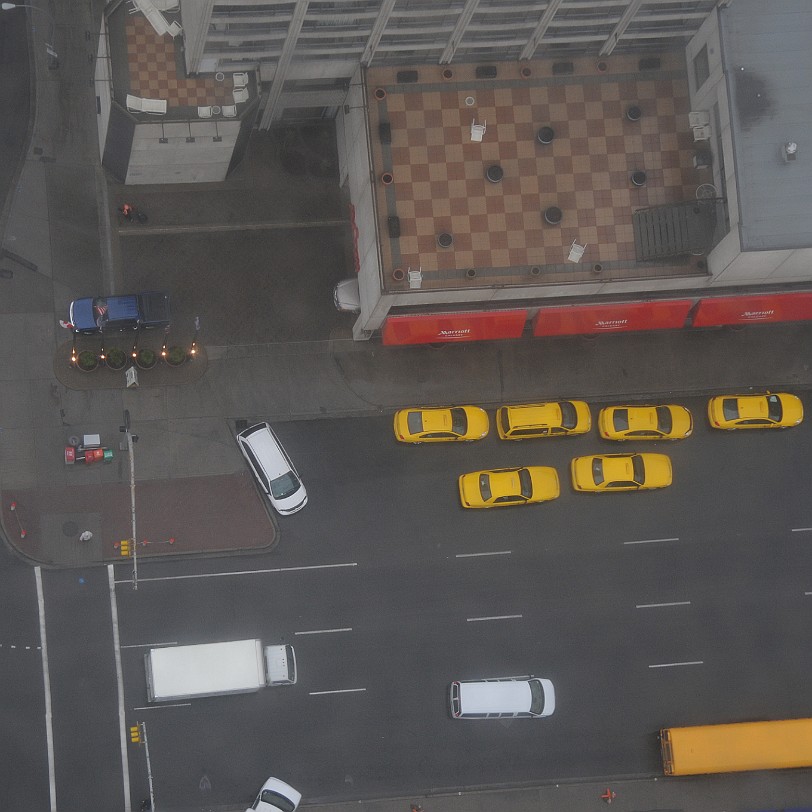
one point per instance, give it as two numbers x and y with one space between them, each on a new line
87 361
146 358
116 358
175 356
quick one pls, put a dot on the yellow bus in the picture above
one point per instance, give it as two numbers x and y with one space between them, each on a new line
736 747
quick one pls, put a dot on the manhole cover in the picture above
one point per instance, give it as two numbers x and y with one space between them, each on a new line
70 528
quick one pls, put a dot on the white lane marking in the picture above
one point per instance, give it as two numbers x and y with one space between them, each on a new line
46 679
801 529
807 593
655 605
340 691
477 555
162 706
122 719
650 541
150 645
671 665
326 631
238 572
493 617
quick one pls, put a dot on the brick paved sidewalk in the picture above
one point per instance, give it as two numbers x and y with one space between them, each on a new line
212 514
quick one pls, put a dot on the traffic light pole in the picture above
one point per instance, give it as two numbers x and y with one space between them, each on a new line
130 450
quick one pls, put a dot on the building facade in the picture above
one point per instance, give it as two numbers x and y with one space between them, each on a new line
569 166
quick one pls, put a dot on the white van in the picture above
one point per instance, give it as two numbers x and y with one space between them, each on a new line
521 697
272 468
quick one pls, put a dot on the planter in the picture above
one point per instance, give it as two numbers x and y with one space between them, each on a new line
526 73
471 273
175 356
535 270
87 361
380 93
597 268
634 113
638 178
146 359
398 274
602 66
116 359
553 215
445 240
387 178
448 73
494 173
545 135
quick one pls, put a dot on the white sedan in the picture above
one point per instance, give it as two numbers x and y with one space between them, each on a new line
276 796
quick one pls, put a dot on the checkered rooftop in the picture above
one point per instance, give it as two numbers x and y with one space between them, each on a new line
155 71
498 229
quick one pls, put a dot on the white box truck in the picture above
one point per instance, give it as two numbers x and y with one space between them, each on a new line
216 669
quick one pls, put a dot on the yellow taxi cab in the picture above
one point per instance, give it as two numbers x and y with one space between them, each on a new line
768 411
508 486
645 423
621 472
554 419
441 425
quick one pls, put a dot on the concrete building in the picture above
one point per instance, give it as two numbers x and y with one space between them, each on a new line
574 166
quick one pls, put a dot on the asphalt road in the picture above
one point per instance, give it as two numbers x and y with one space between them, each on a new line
681 606
23 746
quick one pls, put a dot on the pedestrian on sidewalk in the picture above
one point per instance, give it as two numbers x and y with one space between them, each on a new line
127 210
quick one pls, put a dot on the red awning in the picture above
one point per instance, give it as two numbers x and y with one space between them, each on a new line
430 328
746 309
612 318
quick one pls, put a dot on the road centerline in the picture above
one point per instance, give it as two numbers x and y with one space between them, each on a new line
122 719
650 541
492 617
225 574
46 678
657 605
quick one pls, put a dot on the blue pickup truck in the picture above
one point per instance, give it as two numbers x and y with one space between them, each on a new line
103 314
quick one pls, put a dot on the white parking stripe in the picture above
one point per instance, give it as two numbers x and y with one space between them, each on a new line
671 665
142 580
326 631
340 691
655 605
801 529
493 617
122 719
650 541
46 678
477 555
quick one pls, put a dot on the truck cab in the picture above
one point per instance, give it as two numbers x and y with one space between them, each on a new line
100 314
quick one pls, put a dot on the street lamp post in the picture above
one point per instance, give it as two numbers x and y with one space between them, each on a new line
53 57
131 438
